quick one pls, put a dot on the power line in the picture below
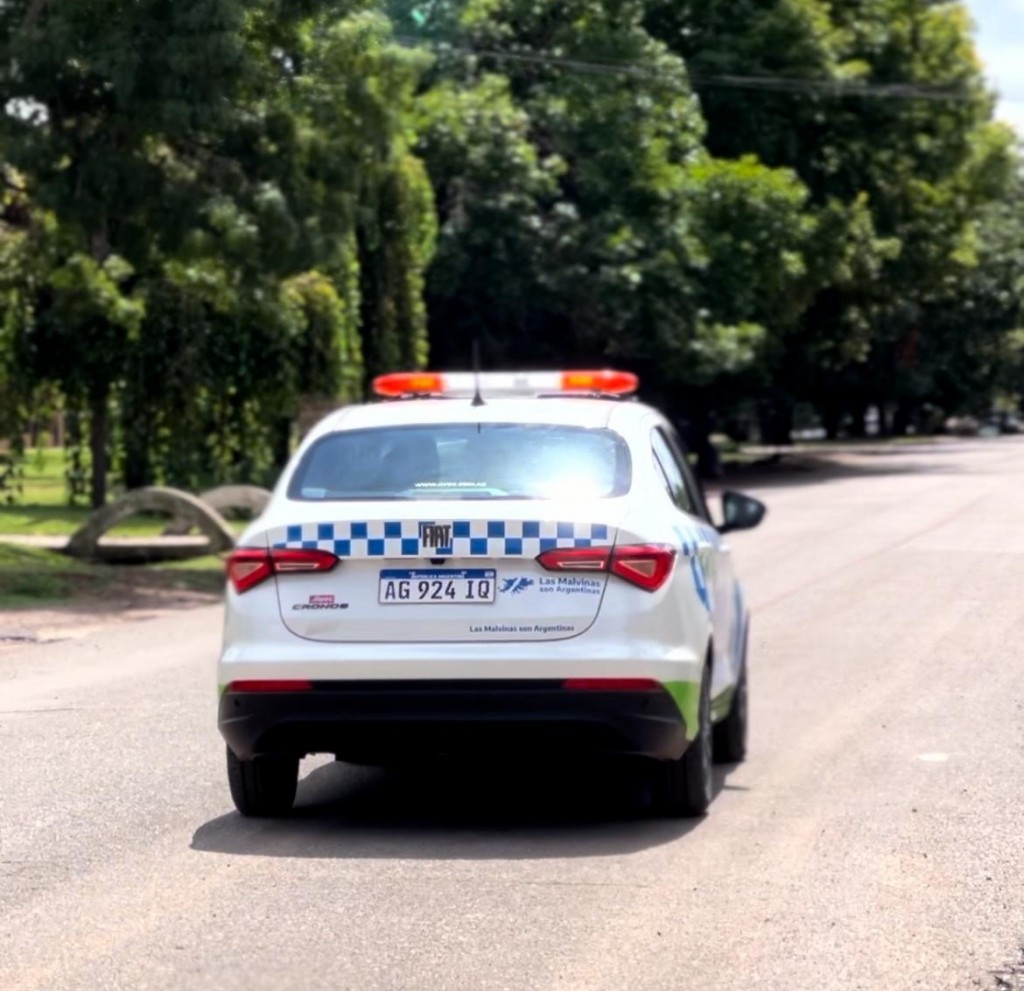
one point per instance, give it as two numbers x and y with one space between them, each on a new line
836 87
778 84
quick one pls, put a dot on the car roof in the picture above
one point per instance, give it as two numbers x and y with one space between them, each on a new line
578 412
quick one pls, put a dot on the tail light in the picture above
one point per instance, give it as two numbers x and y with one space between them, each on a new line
271 685
611 685
644 565
248 567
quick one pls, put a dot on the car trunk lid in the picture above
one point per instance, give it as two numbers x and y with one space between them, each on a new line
439 573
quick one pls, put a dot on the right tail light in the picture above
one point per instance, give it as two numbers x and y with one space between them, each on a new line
647 566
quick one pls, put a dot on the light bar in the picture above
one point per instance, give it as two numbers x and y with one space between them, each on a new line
604 382
410 384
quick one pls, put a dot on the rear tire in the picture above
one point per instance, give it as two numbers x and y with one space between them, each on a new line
682 787
263 786
730 736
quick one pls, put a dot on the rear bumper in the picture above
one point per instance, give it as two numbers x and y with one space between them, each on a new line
387 721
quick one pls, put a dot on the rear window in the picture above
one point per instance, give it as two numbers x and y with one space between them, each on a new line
465 461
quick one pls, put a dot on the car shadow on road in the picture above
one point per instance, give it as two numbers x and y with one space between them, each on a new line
455 813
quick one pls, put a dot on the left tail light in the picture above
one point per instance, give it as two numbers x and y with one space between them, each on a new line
248 567
644 565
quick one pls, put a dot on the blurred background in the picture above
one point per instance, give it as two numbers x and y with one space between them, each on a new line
796 220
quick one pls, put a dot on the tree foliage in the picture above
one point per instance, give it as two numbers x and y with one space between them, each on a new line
216 218
219 204
881 109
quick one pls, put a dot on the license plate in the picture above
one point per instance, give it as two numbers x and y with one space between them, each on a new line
436 586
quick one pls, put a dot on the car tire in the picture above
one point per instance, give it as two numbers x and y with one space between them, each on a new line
263 786
682 787
730 735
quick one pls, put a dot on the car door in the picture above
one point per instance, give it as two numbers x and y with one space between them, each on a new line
713 558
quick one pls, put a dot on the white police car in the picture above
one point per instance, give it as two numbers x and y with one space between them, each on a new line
536 572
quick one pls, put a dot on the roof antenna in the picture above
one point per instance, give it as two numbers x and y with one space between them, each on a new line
478 400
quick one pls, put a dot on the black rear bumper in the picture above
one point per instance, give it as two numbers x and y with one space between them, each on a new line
389 721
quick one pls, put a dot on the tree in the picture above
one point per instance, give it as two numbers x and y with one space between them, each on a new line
975 352
580 218
223 165
929 166
96 95
881 110
500 210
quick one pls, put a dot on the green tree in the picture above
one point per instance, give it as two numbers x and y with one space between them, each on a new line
582 219
96 95
881 109
929 166
565 150
219 183
973 354
500 212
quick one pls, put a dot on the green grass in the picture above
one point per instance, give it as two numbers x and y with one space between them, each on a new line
34 578
43 482
51 521
46 521
42 508
30 577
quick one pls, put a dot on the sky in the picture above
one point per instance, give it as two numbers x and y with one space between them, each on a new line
1000 40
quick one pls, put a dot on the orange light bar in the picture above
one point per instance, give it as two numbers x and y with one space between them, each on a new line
606 380
603 382
408 384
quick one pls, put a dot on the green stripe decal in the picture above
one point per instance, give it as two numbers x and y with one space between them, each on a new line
686 695
721 704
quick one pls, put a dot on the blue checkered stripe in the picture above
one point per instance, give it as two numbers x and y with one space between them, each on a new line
470 538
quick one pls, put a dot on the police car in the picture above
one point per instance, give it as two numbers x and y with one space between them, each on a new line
500 564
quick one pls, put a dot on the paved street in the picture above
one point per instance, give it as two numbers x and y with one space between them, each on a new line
874 839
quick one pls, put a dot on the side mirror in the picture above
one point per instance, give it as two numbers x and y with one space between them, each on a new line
740 512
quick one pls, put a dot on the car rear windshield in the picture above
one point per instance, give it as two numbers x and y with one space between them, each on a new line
465 461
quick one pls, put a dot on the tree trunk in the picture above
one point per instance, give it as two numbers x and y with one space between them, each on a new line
99 394
902 419
137 470
282 442
884 420
858 420
776 421
831 417
137 433
698 439
99 431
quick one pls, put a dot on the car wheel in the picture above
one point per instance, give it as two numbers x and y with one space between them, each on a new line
730 735
682 787
263 786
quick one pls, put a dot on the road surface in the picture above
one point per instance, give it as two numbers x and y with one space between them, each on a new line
874 839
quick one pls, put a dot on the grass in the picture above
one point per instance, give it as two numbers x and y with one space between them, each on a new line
48 521
43 509
34 578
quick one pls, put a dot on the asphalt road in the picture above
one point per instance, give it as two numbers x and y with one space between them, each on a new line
874 839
